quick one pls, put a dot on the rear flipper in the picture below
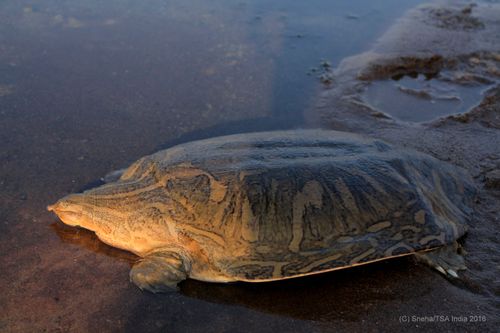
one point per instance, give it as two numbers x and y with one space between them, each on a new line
447 259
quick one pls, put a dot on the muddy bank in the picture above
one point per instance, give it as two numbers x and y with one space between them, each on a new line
449 46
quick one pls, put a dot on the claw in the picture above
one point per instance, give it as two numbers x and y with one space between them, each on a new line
452 273
441 270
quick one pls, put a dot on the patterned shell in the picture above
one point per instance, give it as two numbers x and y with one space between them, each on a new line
267 206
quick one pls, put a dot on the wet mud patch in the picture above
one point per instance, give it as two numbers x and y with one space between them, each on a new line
454 69
418 88
453 18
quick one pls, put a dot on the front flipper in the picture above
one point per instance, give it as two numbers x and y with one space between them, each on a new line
447 260
160 271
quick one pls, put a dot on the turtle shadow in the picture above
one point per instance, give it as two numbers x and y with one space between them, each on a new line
341 295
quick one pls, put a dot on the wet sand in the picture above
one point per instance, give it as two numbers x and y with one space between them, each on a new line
85 89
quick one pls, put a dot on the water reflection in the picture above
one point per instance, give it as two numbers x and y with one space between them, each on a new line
88 239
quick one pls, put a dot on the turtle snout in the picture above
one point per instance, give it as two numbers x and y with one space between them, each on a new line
68 203
72 211
53 208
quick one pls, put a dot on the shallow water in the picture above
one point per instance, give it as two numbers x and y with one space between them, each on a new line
87 87
421 98
192 64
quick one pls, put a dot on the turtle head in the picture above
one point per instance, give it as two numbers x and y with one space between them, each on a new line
121 214
75 210
105 216
92 211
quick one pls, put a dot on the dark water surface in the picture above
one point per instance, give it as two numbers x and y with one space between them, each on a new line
89 86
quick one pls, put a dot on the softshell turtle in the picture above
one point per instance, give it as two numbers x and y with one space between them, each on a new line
275 205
